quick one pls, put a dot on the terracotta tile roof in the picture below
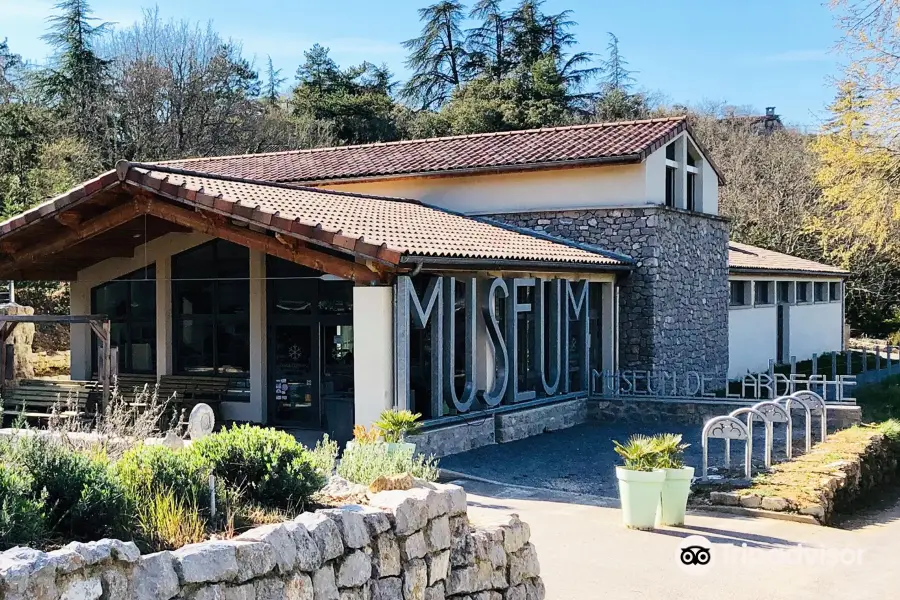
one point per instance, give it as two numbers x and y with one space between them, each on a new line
623 141
742 257
387 228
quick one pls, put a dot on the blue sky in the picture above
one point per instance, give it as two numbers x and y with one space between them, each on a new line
758 53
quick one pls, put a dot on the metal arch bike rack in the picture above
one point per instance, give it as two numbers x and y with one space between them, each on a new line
788 401
817 408
777 414
725 428
751 413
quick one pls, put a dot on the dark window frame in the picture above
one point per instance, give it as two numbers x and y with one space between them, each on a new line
762 293
732 294
144 274
835 291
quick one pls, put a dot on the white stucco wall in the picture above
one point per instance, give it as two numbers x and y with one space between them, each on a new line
816 328
373 342
751 339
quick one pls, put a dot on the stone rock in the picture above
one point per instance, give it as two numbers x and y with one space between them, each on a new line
114 583
437 533
357 593
410 511
82 589
207 561
154 577
299 587
462 581
386 556
269 588
489 547
515 593
325 532
401 482
516 533
774 503
725 498
309 556
282 541
415 580
25 572
209 592
94 552
254 559
354 570
462 550
66 560
413 546
523 565
534 589
438 566
487 595
241 592
816 510
435 592
378 521
387 588
324 586
751 501
351 522
338 488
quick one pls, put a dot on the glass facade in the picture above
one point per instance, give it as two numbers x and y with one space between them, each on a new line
130 304
211 309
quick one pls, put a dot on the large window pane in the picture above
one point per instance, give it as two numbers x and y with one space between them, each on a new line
194 297
130 304
195 345
234 297
233 343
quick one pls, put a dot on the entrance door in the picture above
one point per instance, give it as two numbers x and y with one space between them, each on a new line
337 378
781 334
294 379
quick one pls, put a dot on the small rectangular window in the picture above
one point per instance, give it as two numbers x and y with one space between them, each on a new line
739 293
784 292
692 191
670 151
763 293
803 295
670 186
835 291
821 291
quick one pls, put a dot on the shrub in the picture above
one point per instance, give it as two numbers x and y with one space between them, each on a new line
168 522
395 425
364 463
671 450
81 497
324 455
21 516
268 467
640 453
148 470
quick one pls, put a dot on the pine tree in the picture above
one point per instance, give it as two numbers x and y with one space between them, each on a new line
488 44
615 72
274 82
437 56
10 67
77 83
615 100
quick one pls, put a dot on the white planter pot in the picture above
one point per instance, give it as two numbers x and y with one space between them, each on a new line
393 446
673 499
639 493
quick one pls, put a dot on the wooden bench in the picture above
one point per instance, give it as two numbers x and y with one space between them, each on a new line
35 399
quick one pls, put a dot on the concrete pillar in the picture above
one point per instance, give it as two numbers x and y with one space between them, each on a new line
373 351
257 410
80 333
609 318
164 333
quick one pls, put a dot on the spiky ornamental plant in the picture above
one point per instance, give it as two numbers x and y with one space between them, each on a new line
395 425
640 453
671 450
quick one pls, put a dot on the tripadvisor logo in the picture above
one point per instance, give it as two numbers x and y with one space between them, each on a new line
695 555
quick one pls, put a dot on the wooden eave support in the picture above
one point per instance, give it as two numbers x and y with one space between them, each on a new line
218 226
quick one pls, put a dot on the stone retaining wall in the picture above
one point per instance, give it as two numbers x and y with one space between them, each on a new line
404 545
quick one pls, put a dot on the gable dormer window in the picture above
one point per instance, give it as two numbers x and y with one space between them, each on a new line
671 175
693 175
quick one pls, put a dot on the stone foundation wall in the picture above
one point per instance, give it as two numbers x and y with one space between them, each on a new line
522 424
673 309
405 545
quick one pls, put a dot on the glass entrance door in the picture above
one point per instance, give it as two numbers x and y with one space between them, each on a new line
294 381
337 378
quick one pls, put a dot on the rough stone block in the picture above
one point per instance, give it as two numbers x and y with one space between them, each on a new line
281 540
378 521
270 588
386 556
325 532
299 587
207 592
354 570
357 593
387 588
487 595
435 592
207 561
351 522
254 559
309 556
154 577
725 498
413 546
66 560
437 533
438 566
488 545
114 583
534 589
516 533
523 565
462 550
774 503
81 589
515 593
415 580
246 591
751 501
324 585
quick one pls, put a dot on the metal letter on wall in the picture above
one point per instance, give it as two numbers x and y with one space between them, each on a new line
498 288
541 310
409 308
468 396
513 309
577 301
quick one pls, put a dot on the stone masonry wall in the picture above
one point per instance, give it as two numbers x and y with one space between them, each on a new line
673 310
404 545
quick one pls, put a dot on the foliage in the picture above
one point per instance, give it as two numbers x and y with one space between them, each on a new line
671 450
324 455
269 467
21 514
361 435
146 471
364 463
891 429
81 497
395 425
437 56
881 400
167 521
640 453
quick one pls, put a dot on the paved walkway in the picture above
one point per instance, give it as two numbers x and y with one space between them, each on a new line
586 553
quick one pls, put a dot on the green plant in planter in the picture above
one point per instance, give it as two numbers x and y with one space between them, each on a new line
640 453
670 450
395 425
